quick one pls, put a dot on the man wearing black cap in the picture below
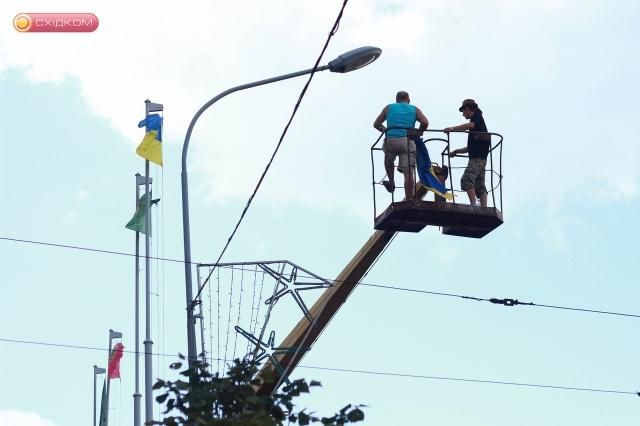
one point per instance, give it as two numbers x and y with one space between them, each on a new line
478 146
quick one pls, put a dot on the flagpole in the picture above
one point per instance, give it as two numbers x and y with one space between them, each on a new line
148 343
94 394
112 335
106 415
137 395
96 370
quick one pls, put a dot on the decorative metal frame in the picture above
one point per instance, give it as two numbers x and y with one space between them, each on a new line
290 279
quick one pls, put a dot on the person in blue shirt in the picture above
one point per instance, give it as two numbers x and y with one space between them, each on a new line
478 147
400 116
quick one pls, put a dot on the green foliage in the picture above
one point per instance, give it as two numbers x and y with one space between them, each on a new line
232 400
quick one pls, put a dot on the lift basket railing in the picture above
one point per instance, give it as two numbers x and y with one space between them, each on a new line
452 168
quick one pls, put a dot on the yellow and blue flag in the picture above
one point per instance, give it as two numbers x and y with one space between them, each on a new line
425 172
151 147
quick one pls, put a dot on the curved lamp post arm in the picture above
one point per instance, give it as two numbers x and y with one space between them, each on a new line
191 326
206 106
347 62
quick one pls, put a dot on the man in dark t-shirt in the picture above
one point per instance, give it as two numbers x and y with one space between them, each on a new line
478 146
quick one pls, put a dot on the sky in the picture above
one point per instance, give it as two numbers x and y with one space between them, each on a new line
556 78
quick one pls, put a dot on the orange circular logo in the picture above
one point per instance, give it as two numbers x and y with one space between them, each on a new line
22 22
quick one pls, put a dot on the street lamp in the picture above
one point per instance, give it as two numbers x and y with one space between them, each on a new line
349 61
354 59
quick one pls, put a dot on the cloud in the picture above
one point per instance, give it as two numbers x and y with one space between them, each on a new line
21 418
72 214
82 196
380 25
448 255
555 88
558 227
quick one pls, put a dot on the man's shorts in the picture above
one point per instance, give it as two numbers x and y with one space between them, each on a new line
473 177
400 147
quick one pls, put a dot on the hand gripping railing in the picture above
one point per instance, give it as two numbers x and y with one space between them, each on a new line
495 170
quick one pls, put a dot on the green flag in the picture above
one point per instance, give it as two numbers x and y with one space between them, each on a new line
137 222
104 406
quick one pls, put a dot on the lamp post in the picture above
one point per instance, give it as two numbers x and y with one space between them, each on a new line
349 61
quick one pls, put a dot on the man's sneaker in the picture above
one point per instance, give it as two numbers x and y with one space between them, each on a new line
388 185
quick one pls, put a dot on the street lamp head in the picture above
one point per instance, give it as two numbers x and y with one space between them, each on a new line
355 59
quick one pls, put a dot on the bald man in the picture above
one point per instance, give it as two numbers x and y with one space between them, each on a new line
400 116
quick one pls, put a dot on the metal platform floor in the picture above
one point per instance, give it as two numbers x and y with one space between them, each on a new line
455 219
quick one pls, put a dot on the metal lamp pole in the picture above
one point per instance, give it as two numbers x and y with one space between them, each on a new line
349 61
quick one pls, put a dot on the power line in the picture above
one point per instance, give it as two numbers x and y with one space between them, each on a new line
467 380
89 249
334 29
368 372
80 347
505 302
593 311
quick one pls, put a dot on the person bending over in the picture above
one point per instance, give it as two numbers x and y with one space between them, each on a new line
400 116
